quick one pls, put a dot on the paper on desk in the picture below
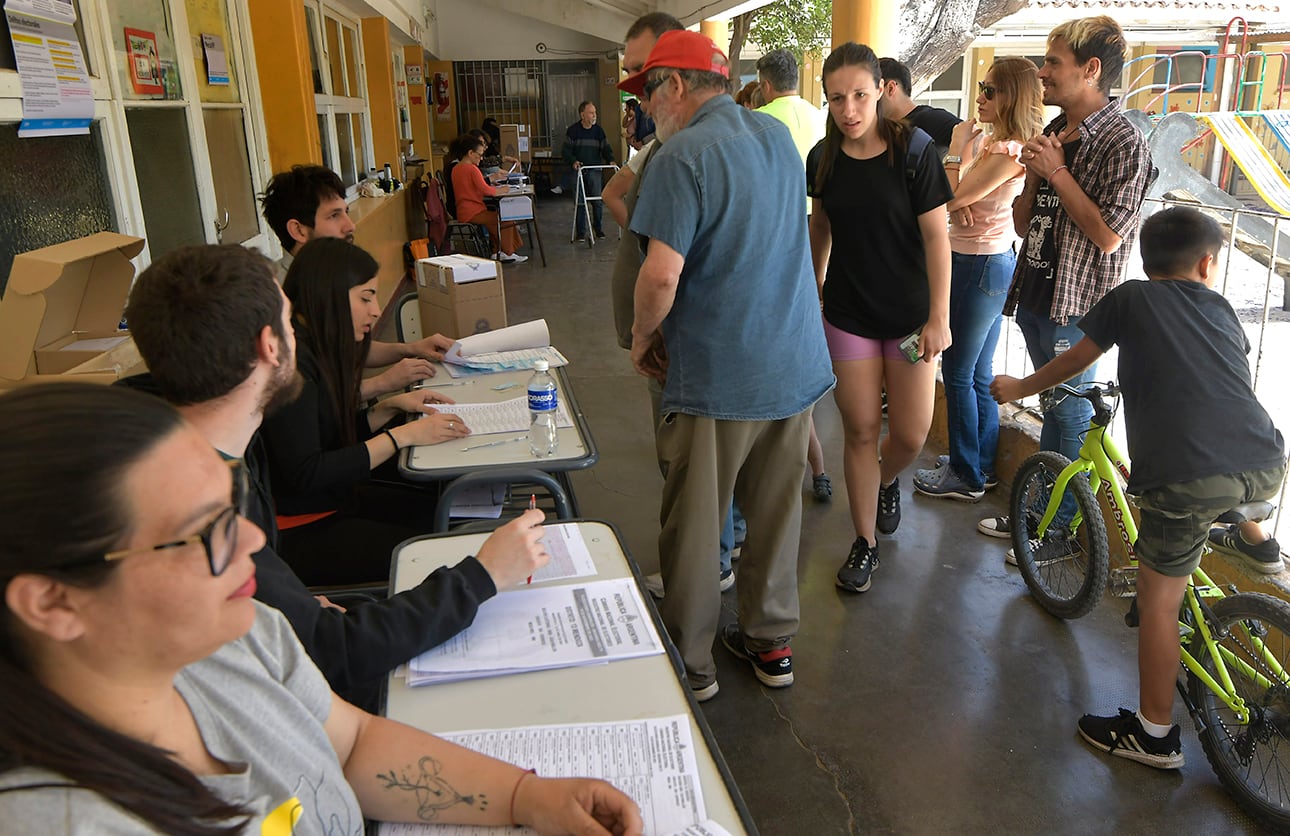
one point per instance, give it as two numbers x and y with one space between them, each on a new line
570 557
704 828
506 349
544 627
651 760
498 417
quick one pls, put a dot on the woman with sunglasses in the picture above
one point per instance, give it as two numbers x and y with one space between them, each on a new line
882 261
142 690
469 188
323 446
987 175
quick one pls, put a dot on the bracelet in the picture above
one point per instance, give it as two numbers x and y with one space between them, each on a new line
1053 173
393 440
516 791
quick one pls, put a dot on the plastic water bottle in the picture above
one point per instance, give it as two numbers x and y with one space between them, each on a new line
543 402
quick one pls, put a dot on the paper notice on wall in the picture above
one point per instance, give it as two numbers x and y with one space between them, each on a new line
56 95
216 59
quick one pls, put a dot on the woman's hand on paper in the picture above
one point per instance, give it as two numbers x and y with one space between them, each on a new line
404 373
581 806
431 347
434 428
418 401
514 551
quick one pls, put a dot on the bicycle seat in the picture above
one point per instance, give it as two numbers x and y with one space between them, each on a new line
1249 512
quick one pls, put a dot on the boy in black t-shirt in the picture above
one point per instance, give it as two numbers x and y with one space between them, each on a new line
1186 384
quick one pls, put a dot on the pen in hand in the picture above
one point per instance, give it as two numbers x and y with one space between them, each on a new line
532 507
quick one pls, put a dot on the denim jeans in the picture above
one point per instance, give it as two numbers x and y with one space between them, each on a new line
978 288
590 180
1065 423
728 540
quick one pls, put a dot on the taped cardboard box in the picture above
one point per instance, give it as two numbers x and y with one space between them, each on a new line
460 295
61 309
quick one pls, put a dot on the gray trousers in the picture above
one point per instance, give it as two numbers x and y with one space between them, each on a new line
708 461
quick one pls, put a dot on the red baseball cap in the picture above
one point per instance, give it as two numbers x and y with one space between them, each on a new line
679 50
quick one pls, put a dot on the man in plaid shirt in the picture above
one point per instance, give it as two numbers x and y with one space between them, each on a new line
1078 214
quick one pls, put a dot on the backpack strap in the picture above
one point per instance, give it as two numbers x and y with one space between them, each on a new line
919 139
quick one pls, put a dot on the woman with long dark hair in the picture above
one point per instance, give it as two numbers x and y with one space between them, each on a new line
882 262
323 447
142 690
987 175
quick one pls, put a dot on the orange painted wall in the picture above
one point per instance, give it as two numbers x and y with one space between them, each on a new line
380 90
281 41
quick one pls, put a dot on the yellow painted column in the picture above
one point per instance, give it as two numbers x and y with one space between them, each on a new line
872 22
281 40
718 31
378 58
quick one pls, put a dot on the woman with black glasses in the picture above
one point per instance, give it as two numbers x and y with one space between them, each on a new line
142 690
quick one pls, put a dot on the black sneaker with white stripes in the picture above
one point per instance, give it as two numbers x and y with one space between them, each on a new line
1124 737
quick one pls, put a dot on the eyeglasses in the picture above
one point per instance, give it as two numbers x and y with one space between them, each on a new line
651 86
219 538
987 90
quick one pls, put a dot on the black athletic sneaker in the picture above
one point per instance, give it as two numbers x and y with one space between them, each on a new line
856 574
991 480
774 668
1264 557
889 507
1124 737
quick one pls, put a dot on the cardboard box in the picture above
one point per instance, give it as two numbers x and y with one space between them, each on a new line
61 309
460 295
515 142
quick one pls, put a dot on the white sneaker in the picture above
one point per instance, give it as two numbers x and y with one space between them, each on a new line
1010 557
557 190
516 258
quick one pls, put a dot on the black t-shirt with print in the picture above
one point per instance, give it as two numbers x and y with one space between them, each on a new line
1038 261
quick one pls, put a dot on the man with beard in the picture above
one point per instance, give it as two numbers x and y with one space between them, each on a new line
215 330
714 319
307 202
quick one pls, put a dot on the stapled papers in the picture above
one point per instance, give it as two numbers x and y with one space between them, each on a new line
503 350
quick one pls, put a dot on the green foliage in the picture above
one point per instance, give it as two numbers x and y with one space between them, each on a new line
800 26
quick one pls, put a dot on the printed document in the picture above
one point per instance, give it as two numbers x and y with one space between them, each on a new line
510 416
650 760
506 349
544 627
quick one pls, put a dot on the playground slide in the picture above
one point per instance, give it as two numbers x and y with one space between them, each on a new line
1279 122
1248 152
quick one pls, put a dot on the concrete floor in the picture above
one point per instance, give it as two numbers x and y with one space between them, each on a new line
941 701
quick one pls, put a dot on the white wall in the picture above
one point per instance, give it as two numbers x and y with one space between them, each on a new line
476 32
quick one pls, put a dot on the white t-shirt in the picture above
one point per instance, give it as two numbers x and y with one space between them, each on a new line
637 162
260 704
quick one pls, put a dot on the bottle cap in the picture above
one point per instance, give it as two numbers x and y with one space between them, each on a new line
541 365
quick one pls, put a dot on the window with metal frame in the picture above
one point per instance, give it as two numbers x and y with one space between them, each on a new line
340 93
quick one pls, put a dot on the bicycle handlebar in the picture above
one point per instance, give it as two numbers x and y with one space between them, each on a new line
1091 391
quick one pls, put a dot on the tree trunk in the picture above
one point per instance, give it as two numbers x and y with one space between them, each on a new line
739 26
934 33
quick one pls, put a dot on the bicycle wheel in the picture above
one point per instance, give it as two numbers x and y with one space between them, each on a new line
1252 760
1066 569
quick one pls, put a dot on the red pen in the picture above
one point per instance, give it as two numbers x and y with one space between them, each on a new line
532 506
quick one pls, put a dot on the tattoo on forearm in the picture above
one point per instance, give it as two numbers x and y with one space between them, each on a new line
433 793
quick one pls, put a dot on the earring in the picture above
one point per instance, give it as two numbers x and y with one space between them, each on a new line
1090 83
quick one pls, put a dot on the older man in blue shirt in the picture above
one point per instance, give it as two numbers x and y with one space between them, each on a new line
727 318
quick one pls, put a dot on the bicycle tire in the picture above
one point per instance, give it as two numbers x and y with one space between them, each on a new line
1252 761
1066 569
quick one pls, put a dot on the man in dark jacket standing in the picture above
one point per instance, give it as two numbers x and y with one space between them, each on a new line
215 331
585 143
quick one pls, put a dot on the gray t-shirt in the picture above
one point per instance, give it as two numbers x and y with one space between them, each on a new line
260 705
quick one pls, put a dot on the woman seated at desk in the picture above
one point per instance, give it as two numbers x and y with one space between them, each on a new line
147 692
469 190
323 446
494 161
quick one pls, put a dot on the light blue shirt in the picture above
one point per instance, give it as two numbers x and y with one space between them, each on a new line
745 340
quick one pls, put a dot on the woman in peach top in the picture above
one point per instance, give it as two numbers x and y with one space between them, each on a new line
986 175
469 190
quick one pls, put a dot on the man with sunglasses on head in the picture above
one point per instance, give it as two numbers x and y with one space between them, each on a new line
1078 215
215 331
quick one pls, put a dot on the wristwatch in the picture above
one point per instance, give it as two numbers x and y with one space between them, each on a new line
952 158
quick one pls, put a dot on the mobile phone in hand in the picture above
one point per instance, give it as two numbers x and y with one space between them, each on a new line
909 346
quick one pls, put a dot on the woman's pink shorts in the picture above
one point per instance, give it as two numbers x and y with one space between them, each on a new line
846 346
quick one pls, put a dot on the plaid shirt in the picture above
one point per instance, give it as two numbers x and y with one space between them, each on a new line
1113 167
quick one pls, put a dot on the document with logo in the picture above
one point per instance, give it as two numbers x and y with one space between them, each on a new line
651 760
543 627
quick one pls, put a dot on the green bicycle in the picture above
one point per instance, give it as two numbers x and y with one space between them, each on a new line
1235 645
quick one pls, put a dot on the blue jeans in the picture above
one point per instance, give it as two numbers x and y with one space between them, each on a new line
1065 423
978 287
591 182
734 521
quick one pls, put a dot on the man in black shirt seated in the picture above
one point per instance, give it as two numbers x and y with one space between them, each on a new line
214 328
897 86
